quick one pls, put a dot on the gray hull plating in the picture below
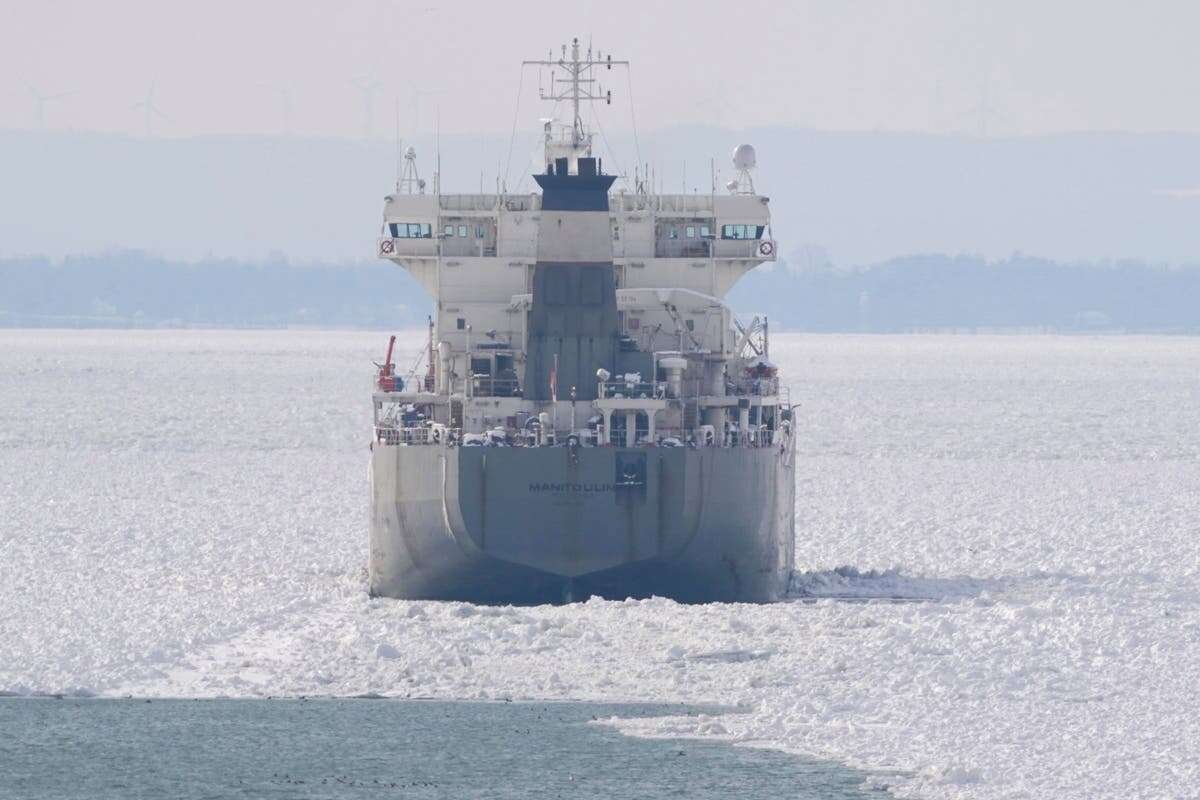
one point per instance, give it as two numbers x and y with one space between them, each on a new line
527 525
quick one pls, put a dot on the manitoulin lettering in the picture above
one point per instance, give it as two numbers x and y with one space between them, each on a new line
570 487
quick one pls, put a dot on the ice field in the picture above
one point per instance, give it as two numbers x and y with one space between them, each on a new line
184 514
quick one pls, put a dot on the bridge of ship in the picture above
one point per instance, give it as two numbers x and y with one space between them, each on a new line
643 226
477 254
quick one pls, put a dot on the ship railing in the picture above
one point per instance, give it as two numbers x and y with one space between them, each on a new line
704 436
754 436
397 435
633 389
671 203
518 202
394 384
758 387
690 388
471 202
487 386
489 202
413 383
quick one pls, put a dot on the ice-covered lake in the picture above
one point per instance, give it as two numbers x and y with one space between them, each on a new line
184 514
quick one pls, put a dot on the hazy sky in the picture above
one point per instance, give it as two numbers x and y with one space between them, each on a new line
238 67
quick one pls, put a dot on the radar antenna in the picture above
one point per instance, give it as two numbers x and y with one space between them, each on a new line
579 86
744 161
409 181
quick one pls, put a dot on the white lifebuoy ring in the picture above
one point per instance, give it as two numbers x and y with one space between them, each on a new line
387 247
766 248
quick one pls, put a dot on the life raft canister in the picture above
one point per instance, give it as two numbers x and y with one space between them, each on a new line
766 248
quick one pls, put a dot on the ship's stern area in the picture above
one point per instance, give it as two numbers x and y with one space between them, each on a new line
552 524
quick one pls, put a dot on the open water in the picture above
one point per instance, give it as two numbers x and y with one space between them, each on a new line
295 749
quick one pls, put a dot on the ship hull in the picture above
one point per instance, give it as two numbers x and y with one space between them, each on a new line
548 524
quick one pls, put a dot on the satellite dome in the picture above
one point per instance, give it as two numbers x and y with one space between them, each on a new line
743 156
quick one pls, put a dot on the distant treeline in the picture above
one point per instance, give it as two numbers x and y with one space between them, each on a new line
938 292
915 293
138 290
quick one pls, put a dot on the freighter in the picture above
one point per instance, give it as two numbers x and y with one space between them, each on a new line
592 418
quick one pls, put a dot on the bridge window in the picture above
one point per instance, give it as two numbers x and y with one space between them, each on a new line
448 230
691 231
462 231
411 230
741 231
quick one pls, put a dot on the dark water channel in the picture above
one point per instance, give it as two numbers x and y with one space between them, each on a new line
193 749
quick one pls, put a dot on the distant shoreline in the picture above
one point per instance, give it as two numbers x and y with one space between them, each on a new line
63 325
932 293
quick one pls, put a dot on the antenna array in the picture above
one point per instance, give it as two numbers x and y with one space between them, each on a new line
578 86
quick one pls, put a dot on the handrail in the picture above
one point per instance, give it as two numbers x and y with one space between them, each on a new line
488 386
440 436
766 387
633 389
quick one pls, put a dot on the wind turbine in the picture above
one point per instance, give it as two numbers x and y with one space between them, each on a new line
983 112
368 86
983 109
285 99
985 103
284 93
417 105
149 110
39 103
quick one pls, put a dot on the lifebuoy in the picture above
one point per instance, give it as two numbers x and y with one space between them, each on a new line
766 248
387 247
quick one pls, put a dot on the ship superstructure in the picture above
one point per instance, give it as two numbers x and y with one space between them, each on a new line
592 418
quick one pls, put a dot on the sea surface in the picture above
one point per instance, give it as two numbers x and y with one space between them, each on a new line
184 514
297 749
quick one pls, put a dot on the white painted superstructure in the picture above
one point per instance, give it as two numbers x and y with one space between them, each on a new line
675 257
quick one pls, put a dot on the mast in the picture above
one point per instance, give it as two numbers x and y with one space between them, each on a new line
430 374
578 87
